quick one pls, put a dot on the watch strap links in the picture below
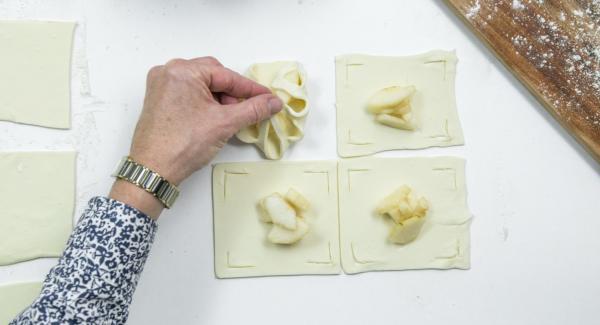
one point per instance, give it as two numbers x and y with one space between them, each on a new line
147 179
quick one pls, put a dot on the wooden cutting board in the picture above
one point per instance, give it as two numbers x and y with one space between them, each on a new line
553 48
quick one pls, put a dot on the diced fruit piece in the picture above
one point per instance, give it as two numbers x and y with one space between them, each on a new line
390 111
398 216
404 206
407 231
395 122
389 97
391 201
280 212
281 235
402 110
263 215
402 212
297 200
421 207
408 214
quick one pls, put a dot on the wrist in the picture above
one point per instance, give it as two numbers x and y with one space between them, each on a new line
142 187
136 197
167 169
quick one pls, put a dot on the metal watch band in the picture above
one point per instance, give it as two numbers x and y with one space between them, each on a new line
148 180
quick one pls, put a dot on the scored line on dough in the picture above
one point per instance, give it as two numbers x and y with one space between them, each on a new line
355 170
438 61
356 259
233 266
453 256
356 143
329 262
348 65
443 137
452 171
230 173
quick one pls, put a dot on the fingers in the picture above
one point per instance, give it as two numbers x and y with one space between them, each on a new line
228 100
223 80
253 110
219 79
209 60
152 73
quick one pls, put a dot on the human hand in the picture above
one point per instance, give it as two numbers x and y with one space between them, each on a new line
190 111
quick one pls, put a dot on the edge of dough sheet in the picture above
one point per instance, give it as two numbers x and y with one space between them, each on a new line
64 122
44 252
376 265
335 268
346 150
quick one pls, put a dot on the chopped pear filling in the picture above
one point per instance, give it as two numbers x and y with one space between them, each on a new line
297 200
392 107
279 211
281 235
285 213
407 231
407 212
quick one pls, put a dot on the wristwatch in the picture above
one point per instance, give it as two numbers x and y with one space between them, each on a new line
150 181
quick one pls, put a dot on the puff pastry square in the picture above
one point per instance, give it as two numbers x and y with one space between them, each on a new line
35 65
241 245
37 196
358 77
444 239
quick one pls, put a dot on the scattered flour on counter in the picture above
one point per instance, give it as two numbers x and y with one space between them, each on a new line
517 4
474 10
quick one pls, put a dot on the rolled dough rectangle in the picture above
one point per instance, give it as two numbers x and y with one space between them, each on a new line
241 246
358 77
35 72
444 240
14 298
37 196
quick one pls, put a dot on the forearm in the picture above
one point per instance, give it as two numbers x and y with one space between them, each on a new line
191 109
95 279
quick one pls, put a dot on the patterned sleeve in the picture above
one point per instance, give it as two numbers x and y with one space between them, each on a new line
94 280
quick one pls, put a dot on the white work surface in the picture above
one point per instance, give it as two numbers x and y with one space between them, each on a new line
534 193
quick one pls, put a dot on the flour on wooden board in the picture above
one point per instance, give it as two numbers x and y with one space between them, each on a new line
572 61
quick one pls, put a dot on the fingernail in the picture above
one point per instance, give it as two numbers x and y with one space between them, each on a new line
275 105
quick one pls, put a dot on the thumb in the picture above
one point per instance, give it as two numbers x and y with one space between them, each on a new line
254 109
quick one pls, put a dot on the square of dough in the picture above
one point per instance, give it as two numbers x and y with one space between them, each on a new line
35 65
444 239
358 77
15 298
37 196
241 245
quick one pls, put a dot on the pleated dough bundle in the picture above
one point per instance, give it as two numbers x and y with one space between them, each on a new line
287 81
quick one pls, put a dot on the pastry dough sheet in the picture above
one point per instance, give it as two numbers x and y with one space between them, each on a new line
358 77
15 298
35 65
37 196
241 245
444 239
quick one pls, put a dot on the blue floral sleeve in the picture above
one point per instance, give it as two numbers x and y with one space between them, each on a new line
94 280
